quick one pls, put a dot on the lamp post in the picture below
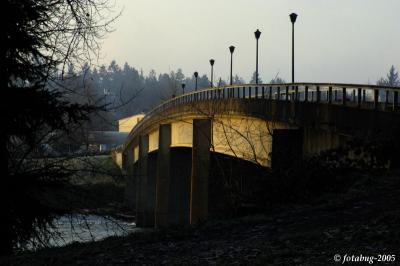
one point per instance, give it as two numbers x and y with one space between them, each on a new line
231 49
212 61
183 88
195 75
293 17
257 34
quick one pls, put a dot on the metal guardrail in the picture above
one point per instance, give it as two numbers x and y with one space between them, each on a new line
354 95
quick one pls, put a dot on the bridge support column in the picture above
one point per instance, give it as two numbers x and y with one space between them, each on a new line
173 181
145 186
163 176
200 169
129 167
151 190
287 147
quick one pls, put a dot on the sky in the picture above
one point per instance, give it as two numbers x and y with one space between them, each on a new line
349 41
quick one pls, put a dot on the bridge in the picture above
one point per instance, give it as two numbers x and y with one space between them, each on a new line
167 154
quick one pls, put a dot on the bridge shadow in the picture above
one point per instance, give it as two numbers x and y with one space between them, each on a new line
233 184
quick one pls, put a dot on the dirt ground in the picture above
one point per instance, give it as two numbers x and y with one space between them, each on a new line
364 221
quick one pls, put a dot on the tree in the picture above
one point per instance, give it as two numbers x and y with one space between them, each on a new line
253 78
277 80
238 80
179 76
40 38
203 82
392 78
221 82
168 85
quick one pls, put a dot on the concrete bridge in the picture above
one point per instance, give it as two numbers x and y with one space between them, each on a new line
270 125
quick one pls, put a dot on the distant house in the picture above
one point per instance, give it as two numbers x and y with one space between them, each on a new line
107 140
126 124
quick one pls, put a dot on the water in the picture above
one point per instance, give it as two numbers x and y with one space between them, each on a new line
87 227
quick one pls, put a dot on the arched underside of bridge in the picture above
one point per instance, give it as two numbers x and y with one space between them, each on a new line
268 133
230 179
246 138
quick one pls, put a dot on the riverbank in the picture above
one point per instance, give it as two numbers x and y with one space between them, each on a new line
363 220
96 186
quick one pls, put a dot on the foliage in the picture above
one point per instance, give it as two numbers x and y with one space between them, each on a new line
392 78
124 91
277 80
253 78
40 38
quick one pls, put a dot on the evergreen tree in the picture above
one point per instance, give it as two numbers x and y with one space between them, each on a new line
392 78
238 80
253 79
277 80
39 37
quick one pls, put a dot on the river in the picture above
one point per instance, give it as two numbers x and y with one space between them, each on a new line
86 227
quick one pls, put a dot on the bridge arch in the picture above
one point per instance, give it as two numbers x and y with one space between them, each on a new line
259 123
248 138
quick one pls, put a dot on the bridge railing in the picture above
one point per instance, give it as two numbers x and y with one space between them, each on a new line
383 98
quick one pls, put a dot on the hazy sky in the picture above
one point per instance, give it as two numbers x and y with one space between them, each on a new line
353 41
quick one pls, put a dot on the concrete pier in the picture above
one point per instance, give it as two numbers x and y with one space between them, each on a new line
173 181
150 205
130 192
162 214
287 147
200 169
141 181
179 200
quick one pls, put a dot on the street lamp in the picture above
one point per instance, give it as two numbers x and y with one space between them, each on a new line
257 34
196 75
212 61
183 88
231 49
293 18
